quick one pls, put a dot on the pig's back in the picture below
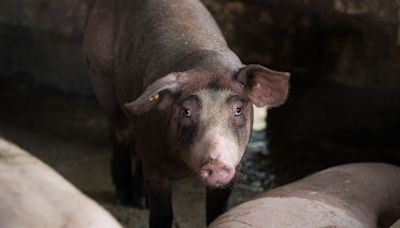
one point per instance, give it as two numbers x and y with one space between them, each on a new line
156 37
353 195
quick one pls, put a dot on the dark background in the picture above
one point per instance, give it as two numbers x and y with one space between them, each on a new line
344 102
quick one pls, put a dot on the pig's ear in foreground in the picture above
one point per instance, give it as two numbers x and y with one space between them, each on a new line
159 95
265 87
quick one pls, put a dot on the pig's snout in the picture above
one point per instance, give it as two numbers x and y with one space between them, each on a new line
216 173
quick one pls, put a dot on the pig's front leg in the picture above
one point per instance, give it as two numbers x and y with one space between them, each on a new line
159 192
139 199
129 188
217 202
121 170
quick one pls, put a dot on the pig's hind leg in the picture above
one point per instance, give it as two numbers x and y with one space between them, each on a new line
129 188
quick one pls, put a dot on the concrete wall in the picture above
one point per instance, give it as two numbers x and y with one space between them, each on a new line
41 42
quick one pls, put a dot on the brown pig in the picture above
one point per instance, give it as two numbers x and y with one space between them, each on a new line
34 195
175 97
359 195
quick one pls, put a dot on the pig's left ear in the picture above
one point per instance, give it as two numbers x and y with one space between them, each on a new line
265 87
159 95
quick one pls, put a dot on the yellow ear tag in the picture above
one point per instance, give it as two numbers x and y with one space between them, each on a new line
154 97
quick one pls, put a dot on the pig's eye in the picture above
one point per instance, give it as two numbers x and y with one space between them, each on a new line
186 112
238 111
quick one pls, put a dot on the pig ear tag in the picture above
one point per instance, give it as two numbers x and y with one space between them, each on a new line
154 97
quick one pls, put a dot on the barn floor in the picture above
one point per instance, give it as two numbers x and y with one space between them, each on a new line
69 133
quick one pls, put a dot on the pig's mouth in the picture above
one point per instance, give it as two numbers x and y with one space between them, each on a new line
215 173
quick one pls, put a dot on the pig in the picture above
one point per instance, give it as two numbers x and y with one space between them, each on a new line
359 195
34 195
175 97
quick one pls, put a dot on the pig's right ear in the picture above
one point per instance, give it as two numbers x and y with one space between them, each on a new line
159 95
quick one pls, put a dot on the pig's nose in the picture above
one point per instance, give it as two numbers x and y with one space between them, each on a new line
216 173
